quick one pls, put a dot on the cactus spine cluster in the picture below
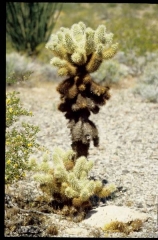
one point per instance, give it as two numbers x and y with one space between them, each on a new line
67 180
78 52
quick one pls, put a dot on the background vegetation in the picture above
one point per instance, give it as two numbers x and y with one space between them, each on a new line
134 25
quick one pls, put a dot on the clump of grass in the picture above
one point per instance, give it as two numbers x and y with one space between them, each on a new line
117 226
52 230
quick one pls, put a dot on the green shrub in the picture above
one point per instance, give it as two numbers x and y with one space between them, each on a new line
21 142
19 67
29 25
110 72
147 86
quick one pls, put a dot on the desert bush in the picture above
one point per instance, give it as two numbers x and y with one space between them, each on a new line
21 142
147 85
110 72
135 64
19 67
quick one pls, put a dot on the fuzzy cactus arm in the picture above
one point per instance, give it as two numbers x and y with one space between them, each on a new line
110 52
60 173
57 62
64 86
89 165
44 166
68 156
43 178
100 34
107 191
84 195
73 181
70 193
89 44
69 43
77 32
79 57
79 166
57 157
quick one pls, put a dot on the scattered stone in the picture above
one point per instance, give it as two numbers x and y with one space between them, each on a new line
107 214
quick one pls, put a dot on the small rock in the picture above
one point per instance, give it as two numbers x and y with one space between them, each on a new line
107 214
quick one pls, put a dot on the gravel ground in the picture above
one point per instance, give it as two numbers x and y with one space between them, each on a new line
127 155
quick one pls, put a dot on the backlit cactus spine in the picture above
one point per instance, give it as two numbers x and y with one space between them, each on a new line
78 52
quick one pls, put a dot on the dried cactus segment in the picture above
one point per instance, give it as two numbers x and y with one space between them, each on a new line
64 106
87 79
89 132
107 191
77 202
96 89
81 103
69 165
92 106
82 87
80 148
76 131
63 87
72 92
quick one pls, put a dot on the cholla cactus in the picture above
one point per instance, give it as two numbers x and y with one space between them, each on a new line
69 184
78 52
